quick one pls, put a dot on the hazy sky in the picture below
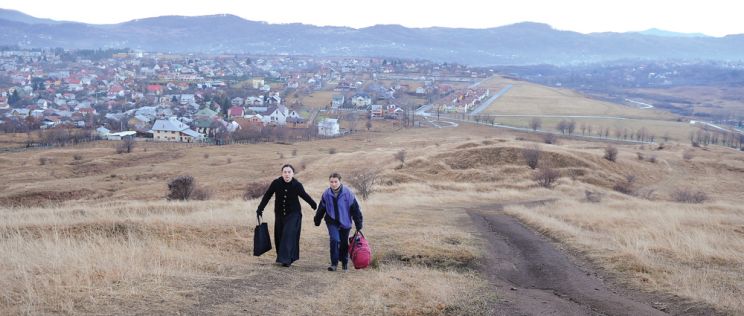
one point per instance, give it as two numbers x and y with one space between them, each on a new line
711 17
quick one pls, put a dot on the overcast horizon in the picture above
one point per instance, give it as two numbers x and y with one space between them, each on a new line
716 18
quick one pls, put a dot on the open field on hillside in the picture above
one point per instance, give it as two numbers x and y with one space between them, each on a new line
677 131
316 100
701 99
531 99
15 140
108 241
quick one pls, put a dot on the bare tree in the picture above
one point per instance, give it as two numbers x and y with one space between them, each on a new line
363 181
400 155
610 153
546 177
353 119
125 146
531 156
562 126
571 126
535 123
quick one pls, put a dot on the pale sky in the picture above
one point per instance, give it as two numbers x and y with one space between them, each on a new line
711 17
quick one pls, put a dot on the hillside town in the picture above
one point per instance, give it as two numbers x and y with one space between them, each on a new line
202 98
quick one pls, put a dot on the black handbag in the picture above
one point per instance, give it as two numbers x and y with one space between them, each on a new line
261 239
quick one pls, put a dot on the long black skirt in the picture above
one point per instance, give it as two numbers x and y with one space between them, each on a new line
287 237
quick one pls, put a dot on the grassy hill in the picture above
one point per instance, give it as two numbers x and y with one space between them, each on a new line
86 230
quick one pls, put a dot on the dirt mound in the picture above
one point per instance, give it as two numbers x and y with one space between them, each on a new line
499 156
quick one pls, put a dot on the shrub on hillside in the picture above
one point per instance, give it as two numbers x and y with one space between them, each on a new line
181 188
201 194
531 156
546 177
610 153
255 190
626 186
125 146
592 196
689 196
550 139
688 155
401 156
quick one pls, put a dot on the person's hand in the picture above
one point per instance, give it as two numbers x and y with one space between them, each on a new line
317 219
314 206
259 212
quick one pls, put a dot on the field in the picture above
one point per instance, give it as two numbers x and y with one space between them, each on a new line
316 100
677 131
700 99
530 99
86 230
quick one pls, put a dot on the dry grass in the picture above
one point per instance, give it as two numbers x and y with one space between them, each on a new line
702 99
676 131
693 251
119 246
532 99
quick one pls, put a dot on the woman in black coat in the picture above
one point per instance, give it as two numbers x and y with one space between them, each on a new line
288 214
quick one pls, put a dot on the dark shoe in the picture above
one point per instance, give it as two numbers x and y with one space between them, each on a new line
286 265
345 267
331 268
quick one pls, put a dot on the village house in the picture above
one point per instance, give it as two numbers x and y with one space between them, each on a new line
236 101
337 101
279 116
254 122
235 111
328 127
361 100
172 130
377 111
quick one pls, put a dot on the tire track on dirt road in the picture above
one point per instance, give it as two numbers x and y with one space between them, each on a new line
532 277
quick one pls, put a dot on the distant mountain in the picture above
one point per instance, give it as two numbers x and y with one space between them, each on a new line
658 32
17 16
517 44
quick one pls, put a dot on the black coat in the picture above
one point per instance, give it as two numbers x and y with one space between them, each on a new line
288 224
287 197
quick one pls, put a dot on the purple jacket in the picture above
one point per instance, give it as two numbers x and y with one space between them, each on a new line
348 208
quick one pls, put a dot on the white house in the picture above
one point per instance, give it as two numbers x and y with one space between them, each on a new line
236 101
173 130
361 101
121 135
280 115
328 127
254 100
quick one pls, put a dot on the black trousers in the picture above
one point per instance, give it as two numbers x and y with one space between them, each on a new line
287 237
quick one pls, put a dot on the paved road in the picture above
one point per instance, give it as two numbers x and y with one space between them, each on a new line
490 100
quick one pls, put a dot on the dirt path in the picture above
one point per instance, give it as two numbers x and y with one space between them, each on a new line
532 277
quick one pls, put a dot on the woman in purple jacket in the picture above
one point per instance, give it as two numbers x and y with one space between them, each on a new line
338 206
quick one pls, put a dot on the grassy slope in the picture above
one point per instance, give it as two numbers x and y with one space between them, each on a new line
119 245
